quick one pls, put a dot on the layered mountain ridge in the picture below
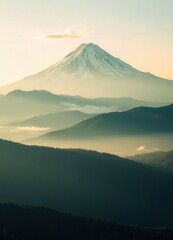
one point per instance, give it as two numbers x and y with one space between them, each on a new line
137 121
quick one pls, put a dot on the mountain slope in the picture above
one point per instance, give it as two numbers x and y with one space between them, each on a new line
42 223
142 120
87 183
90 67
162 160
55 120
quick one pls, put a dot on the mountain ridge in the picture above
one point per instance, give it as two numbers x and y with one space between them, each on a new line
59 120
158 159
116 132
140 120
39 102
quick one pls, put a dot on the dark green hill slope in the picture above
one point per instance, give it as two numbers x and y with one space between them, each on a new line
27 222
87 183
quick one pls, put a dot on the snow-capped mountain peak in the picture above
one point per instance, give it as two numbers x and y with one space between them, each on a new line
90 71
91 59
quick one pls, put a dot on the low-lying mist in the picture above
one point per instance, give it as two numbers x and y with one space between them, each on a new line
18 134
121 145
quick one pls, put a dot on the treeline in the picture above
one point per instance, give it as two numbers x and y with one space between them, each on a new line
36 223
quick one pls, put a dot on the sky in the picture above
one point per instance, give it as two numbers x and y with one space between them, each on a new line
37 33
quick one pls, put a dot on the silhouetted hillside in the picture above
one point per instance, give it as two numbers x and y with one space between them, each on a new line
87 183
27 222
162 160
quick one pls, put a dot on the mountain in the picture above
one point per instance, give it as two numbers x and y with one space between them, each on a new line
88 68
86 183
138 121
29 114
28 222
56 121
21 105
159 159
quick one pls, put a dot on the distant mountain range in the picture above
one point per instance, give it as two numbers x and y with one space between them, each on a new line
159 159
138 121
56 121
21 105
86 183
92 72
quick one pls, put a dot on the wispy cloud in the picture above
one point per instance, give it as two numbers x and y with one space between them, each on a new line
28 129
73 31
55 36
92 109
